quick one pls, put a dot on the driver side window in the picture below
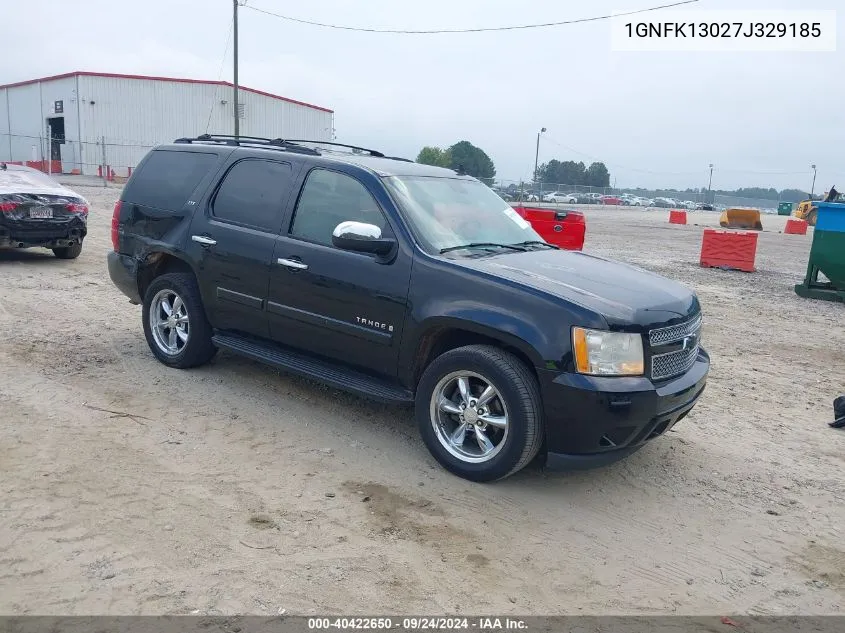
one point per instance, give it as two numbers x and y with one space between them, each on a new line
329 198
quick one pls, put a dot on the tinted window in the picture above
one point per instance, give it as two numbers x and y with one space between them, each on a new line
252 193
329 198
167 179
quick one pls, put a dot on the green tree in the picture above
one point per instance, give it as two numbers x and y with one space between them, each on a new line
567 172
793 195
597 175
430 155
473 160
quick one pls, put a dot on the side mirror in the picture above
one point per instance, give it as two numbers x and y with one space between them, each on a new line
361 238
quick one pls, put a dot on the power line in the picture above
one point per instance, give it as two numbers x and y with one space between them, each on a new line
675 173
472 30
617 165
220 72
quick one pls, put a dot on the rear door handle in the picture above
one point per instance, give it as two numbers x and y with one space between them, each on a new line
292 264
202 239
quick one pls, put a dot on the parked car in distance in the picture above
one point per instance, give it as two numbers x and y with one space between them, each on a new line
526 196
589 198
38 212
703 206
405 283
612 200
560 197
665 203
504 195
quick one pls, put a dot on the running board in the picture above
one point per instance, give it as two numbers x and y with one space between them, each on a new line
336 376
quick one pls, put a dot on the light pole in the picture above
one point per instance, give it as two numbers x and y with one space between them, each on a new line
813 188
537 154
235 77
710 183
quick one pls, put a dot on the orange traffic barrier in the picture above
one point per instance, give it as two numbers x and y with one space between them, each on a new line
676 216
796 226
729 249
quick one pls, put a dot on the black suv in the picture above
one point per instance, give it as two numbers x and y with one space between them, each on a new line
405 283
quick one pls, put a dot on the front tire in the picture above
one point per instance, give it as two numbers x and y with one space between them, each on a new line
68 252
175 325
479 411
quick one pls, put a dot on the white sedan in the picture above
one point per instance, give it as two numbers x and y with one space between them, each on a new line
556 196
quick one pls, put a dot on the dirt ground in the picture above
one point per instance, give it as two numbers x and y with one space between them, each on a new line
131 488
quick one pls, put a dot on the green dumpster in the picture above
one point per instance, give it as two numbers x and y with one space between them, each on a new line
827 255
784 208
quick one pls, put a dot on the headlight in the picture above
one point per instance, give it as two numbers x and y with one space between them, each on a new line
607 353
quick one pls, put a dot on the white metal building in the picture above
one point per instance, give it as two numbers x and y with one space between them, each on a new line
98 119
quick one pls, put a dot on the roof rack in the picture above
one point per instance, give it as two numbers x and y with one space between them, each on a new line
250 141
291 145
371 152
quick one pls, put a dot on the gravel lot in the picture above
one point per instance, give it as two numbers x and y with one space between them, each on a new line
130 488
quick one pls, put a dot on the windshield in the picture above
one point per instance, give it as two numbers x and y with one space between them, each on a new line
450 212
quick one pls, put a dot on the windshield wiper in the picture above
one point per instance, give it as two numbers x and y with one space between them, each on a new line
537 243
515 247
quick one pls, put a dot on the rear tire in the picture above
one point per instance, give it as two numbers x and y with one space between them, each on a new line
811 217
185 341
68 252
445 411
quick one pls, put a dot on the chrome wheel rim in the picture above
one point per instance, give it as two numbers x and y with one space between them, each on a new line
469 416
169 322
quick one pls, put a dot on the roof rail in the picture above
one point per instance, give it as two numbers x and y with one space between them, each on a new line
371 152
250 141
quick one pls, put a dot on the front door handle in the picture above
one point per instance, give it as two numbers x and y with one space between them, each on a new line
292 264
202 239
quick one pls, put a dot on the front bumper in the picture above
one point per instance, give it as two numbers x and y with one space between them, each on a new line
593 421
123 271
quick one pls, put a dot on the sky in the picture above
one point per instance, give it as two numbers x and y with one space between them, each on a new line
656 119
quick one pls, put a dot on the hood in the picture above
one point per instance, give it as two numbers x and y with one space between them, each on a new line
624 295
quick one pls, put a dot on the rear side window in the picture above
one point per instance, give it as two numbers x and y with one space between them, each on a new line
167 179
252 193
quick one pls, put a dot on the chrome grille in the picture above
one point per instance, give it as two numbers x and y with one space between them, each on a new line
678 361
673 363
664 335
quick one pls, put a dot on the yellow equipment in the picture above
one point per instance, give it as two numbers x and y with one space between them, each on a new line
739 218
806 211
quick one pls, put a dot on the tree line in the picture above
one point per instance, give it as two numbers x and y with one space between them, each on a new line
759 193
474 161
569 172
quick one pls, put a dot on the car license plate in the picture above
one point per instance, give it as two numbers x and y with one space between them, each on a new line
41 212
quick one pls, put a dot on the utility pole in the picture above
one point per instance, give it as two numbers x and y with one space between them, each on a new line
813 188
537 155
710 184
235 78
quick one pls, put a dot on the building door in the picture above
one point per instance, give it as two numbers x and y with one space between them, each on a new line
56 130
